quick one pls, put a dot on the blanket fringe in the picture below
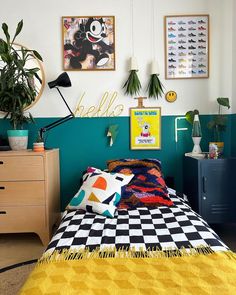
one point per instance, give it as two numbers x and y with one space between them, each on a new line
123 252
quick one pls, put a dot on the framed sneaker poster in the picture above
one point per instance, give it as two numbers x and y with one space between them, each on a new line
145 128
186 46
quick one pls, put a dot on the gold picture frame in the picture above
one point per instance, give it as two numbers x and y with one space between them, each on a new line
145 128
88 43
186 46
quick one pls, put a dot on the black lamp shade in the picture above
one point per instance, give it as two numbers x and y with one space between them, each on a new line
63 81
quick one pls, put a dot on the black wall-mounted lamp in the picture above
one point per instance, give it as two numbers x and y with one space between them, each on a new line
62 81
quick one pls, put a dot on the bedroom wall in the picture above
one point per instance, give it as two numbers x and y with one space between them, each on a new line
83 141
234 59
233 134
42 31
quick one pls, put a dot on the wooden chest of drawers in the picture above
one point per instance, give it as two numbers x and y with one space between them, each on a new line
29 192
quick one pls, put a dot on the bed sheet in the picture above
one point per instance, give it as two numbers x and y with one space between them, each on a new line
143 229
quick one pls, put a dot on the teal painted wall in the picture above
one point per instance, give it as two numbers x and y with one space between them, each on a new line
233 135
83 142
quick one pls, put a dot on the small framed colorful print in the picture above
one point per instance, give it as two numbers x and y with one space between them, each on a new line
88 43
186 46
145 128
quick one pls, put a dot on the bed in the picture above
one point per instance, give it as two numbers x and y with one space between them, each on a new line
141 249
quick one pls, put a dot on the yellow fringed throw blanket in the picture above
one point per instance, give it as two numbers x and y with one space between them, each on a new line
153 272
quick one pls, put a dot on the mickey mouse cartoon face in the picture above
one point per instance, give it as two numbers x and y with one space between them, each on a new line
95 30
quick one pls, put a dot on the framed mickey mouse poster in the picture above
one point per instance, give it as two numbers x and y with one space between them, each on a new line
88 43
145 128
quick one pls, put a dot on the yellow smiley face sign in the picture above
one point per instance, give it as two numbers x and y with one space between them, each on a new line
171 96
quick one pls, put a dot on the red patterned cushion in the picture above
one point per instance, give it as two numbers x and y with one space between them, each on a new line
147 188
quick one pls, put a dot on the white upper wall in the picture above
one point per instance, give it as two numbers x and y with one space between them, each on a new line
42 31
234 58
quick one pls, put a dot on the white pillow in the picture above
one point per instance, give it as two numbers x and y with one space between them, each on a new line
100 192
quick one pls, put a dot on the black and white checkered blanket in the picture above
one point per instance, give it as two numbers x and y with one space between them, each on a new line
163 227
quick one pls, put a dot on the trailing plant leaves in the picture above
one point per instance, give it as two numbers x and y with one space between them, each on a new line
211 124
5 30
223 101
33 70
38 78
4 57
18 29
37 55
155 87
189 116
31 118
219 121
3 47
132 85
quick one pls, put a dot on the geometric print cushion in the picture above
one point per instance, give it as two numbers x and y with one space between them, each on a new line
100 192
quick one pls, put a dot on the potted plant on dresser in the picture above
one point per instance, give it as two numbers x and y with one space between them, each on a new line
218 123
17 85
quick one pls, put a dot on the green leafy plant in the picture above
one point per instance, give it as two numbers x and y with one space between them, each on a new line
196 126
155 87
132 85
219 122
17 89
189 116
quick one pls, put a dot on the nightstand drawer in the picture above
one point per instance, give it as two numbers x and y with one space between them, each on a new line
20 193
22 219
21 168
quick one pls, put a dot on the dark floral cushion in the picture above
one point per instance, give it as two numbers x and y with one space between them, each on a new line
147 188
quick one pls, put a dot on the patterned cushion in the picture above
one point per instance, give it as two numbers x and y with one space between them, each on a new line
147 187
100 192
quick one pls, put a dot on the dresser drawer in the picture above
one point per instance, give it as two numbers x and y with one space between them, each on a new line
22 219
20 193
21 168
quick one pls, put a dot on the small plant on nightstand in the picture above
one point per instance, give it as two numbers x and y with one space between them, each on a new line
219 122
38 145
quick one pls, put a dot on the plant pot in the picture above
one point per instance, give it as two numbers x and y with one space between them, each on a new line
220 146
18 139
38 146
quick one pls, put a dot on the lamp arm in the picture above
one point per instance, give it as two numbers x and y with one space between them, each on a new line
54 124
64 101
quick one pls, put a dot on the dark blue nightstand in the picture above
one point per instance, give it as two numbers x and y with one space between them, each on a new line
211 188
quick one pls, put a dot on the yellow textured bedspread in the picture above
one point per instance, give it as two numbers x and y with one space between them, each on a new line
198 274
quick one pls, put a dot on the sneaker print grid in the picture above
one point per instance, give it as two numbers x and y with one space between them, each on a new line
187 42
163 227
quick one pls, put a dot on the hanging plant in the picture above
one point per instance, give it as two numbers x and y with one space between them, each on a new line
133 85
155 87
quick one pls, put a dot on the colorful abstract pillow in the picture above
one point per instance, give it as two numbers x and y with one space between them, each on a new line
100 192
147 187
